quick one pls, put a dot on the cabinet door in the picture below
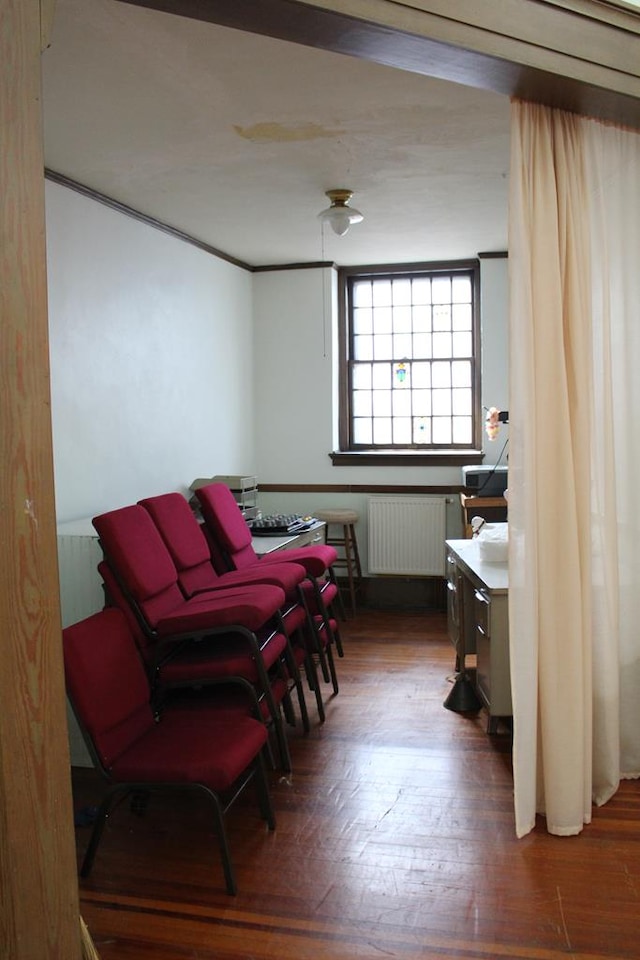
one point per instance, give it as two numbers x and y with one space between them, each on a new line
453 602
482 621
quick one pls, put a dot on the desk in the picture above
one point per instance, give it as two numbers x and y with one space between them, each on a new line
492 509
478 621
265 545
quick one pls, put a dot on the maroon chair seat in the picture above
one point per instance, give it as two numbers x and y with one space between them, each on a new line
207 749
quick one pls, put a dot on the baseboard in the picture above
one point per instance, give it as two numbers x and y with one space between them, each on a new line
423 593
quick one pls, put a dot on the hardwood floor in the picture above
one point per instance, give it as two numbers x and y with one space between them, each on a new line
395 839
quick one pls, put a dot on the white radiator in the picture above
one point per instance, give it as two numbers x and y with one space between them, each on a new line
406 536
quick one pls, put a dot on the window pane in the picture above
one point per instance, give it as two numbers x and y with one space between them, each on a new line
402 404
442 344
461 291
422 345
441 289
461 373
362 293
402 376
382 320
422 403
383 347
363 431
382 403
382 293
361 376
402 430
462 430
421 430
421 375
402 320
442 317
422 319
403 345
462 345
363 321
382 376
441 403
441 427
402 292
363 348
461 316
362 405
440 375
421 287
461 402
382 430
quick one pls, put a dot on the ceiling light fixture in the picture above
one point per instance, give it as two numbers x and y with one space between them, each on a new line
340 215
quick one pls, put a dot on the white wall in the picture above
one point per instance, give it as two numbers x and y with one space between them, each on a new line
494 304
151 359
296 409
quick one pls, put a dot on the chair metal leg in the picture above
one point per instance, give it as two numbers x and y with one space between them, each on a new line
264 796
332 670
312 675
98 828
292 667
223 844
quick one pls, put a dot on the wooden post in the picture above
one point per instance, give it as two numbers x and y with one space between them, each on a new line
39 911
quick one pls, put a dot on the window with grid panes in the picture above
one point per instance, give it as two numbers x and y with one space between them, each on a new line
411 359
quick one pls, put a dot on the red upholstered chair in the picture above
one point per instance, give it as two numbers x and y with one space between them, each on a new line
232 543
189 548
167 678
230 633
191 553
206 749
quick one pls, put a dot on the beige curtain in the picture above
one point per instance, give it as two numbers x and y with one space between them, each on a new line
574 463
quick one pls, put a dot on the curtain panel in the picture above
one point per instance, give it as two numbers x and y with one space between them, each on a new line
574 527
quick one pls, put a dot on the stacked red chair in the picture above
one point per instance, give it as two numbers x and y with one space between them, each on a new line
206 749
189 549
229 634
232 549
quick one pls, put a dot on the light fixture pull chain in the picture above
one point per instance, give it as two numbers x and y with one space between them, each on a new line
324 294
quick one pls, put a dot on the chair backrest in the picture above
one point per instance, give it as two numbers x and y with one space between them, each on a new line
227 526
185 541
140 560
106 684
115 597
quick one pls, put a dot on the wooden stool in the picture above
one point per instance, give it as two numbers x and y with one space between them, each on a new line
347 542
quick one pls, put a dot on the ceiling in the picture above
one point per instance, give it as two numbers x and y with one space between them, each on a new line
232 138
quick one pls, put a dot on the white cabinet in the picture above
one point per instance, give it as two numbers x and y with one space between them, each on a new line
478 599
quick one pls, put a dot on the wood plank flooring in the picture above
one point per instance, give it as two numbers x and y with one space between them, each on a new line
395 839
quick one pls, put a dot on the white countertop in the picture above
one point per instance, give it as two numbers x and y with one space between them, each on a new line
494 575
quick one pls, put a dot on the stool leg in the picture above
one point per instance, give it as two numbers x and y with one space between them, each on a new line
354 541
348 552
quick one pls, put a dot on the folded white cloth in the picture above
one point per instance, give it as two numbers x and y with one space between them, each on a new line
493 542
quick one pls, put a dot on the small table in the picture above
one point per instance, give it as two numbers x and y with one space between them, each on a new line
314 534
492 509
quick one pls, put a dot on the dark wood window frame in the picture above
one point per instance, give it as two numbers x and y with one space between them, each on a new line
414 456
